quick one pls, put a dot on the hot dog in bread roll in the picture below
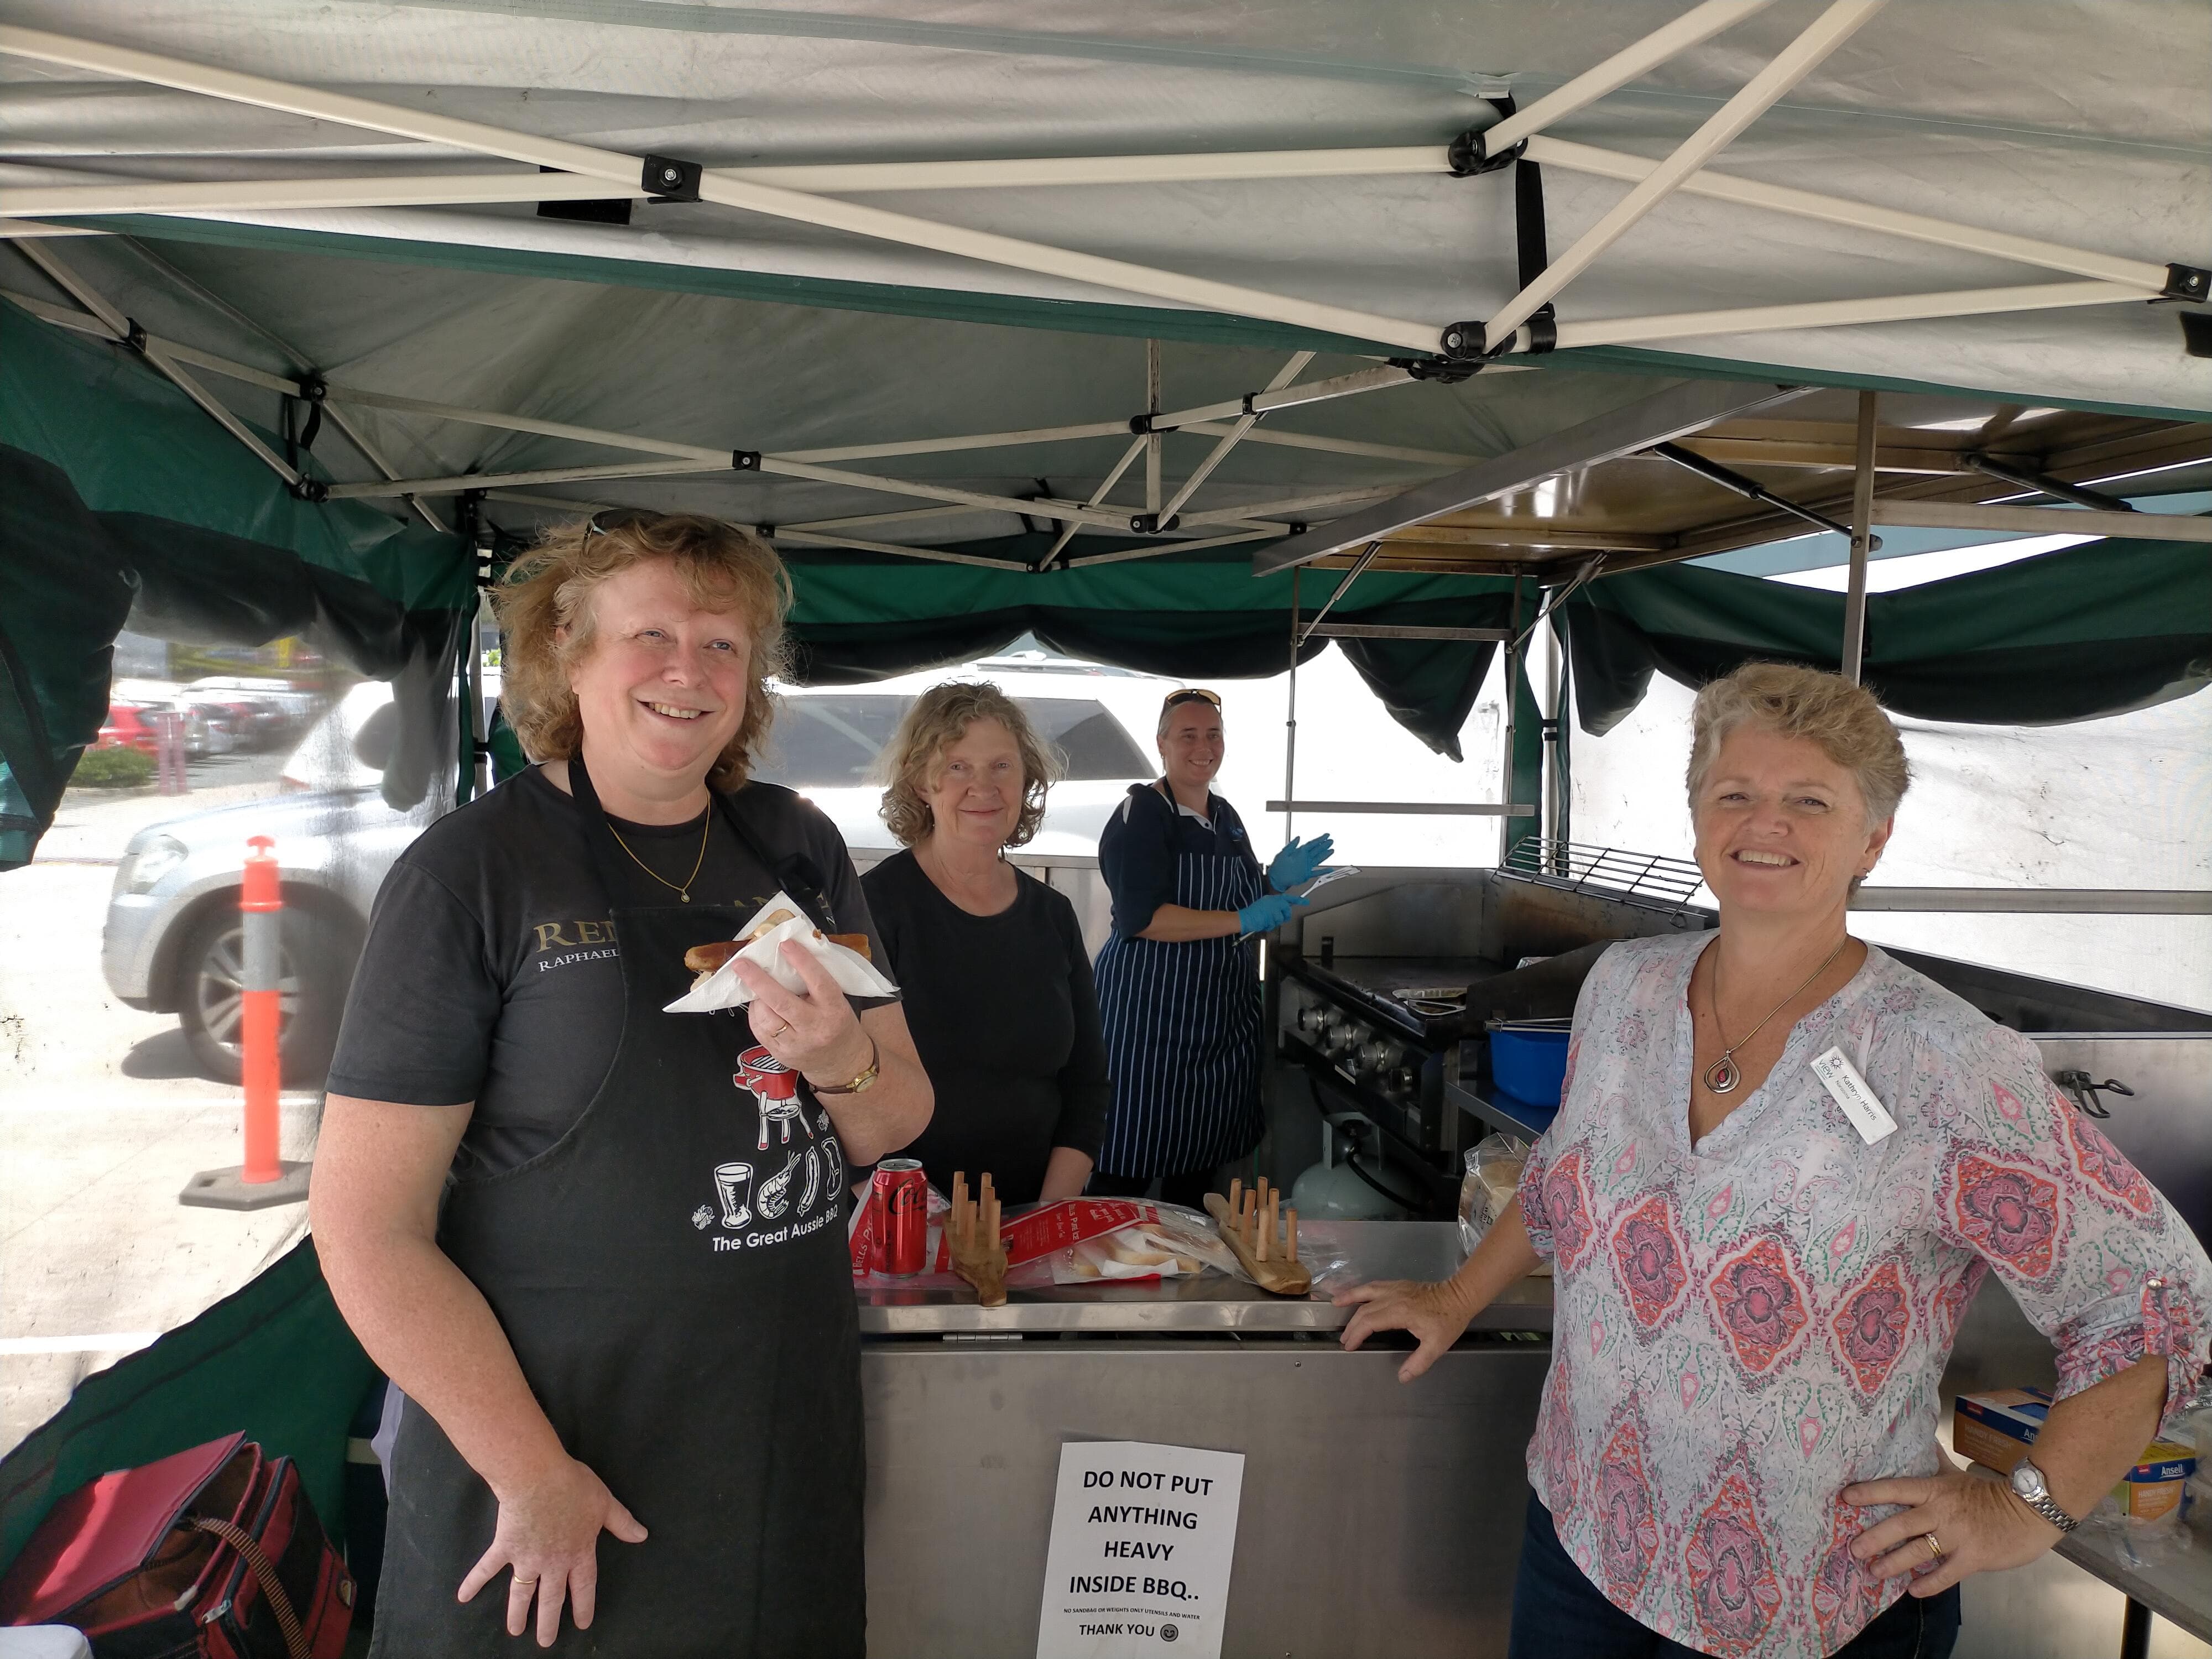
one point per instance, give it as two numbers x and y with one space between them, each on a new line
704 960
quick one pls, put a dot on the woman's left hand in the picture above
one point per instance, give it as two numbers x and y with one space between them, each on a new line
820 1036
1980 1526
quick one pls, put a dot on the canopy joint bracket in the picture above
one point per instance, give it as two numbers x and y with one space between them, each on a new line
744 460
2185 285
1148 523
667 179
135 336
1468 156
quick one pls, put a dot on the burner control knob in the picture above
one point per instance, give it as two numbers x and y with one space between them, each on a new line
1374 1057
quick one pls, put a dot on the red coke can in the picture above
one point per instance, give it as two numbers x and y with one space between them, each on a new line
903 1193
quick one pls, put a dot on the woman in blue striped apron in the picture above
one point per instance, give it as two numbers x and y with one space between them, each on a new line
1178 982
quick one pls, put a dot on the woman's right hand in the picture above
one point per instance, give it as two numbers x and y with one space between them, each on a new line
1433 1313
549 1534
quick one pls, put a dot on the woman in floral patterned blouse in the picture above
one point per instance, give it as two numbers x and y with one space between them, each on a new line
1736 1452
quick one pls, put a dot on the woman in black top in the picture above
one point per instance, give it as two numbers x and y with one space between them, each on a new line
990 960
607 1273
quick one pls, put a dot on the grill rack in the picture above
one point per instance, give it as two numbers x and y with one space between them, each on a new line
1646 878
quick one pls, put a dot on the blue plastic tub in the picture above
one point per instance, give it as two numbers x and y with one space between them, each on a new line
1532 1065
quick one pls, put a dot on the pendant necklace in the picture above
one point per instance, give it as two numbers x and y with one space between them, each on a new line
1723 1074
682 891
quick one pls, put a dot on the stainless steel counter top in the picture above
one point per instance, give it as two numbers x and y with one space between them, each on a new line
1340 1253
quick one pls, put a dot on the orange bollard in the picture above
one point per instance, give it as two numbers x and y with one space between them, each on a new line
264 1180
262 902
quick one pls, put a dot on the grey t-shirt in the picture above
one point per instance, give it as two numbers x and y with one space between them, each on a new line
492 973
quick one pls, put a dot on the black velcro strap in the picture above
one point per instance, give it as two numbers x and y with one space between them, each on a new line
1535 248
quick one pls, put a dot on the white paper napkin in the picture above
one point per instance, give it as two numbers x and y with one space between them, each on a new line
855 974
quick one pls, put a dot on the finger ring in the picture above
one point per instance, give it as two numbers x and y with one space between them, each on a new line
1935 1549
521 1582
778 1032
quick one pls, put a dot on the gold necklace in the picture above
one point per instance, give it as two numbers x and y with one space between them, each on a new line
1723 1074
684 892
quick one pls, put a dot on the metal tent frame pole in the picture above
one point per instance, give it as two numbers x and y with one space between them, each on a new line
1098 498
1673 413
681 459
1152 428
1840 314
1291 721
1830 29
1862 542
1511 658
828 213
25 204
299 360
1159 549
157 353
1163 517
583 171
1698 24
2043 520
1858 215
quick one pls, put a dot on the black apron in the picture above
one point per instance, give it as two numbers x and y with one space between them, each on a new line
675 1281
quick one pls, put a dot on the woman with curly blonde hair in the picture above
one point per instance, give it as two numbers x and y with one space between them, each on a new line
610 1284
998 988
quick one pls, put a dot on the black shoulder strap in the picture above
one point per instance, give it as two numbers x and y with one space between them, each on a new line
794 871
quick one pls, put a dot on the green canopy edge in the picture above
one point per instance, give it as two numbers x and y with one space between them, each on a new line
275 1360
120 499
2096 629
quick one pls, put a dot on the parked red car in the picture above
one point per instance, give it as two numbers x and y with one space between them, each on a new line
127 727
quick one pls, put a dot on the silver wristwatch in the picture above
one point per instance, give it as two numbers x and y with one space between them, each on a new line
2033 1490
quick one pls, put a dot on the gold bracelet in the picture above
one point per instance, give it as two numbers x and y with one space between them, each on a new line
869 1073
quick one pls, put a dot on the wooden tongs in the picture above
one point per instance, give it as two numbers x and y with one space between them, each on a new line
1264 1235
971 1240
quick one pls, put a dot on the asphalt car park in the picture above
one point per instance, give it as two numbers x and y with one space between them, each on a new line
105 1114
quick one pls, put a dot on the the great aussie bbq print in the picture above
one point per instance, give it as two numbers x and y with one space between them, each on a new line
778 1192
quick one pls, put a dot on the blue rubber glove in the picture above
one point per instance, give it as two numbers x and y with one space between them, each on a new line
1299 862
1266 913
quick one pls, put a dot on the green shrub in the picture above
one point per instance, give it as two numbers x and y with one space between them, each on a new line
120 767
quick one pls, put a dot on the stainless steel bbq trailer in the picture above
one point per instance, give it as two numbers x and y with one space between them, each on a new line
1376 1518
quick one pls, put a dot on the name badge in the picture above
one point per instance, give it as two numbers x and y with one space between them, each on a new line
1841 1079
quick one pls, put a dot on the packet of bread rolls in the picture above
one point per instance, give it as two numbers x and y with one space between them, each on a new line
778 919
1169 1243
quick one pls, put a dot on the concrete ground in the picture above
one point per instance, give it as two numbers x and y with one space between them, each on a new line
103 1116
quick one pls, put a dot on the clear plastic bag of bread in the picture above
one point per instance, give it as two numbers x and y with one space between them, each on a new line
1491 1176
1169 1242
844 957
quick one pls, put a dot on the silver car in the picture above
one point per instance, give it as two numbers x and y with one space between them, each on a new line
173 942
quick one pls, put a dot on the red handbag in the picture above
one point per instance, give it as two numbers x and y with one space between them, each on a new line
214 1551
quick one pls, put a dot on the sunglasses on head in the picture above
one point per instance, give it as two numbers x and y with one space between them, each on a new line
620 518
1189 694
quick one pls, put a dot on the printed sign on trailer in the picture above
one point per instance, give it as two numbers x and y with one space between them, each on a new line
1143 1537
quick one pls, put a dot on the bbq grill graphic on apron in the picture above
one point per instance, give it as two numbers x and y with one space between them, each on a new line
1183 1029
703 1358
